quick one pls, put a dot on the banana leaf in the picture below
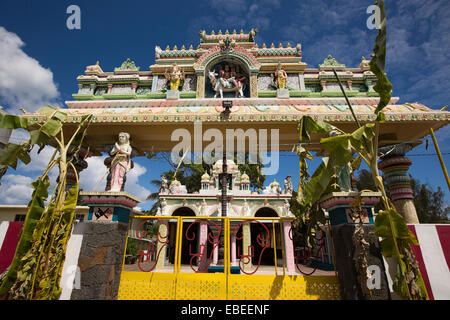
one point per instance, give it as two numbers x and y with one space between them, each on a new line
35 209
10 121
53 113
377 64
308 125
13 152
389 224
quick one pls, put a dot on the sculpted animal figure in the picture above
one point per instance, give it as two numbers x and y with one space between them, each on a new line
221 85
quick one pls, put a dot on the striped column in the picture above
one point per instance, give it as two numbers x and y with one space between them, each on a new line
395 169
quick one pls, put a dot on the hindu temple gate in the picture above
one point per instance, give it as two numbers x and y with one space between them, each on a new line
193 251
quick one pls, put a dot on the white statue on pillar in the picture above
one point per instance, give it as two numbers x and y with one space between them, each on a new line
163 207
204 209
245 209
121 163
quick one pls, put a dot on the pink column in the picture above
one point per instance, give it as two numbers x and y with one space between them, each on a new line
215 256
233 250
288 248
202 245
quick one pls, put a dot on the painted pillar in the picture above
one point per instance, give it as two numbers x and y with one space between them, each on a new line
133 87
254 85
202 244
301 79
347 250
215 256
288 247
162 234
349 83
200 85
246 242
154 83
103 246
233 250
395 169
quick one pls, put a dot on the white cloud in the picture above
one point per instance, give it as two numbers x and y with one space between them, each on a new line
39 162
16 189
23 81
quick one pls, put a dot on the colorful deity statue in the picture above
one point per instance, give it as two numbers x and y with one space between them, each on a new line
288 185
280 77
227 77
174 77
121 162
238 79
164 184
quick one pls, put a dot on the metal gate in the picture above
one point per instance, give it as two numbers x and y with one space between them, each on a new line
214 258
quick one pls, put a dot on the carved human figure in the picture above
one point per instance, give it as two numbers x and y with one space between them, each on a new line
238 79
227 77
280 77
245 209
174 77
287 208
121 162
288 185
164 184
204 208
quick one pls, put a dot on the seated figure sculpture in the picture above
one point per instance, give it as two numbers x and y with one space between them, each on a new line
229 81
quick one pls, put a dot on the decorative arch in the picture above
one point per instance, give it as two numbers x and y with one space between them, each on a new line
266 207
187 209
215 55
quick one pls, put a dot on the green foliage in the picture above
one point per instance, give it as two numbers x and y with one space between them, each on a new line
396 242
377 64
429 203
35 209
132 247
36 268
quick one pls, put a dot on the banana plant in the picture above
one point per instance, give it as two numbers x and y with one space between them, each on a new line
36 268
389 224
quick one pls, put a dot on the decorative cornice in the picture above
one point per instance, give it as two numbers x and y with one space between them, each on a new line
331 62
127 65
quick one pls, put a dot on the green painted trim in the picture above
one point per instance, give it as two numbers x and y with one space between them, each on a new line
188 94
300 93
119 96
156 95
267 93
83 96
352 93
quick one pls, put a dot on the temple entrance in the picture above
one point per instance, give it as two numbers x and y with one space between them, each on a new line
193 234
264 230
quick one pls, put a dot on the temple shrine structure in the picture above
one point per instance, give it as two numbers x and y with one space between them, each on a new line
229 242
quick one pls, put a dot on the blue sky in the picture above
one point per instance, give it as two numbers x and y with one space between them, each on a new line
40 58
